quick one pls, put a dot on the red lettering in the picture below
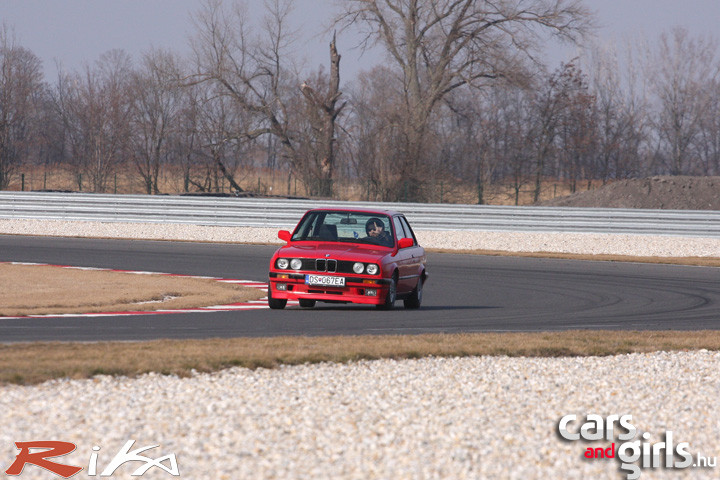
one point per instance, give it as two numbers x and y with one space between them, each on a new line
610 451
599 452
40 459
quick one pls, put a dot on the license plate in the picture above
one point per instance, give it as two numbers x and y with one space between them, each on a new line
325 281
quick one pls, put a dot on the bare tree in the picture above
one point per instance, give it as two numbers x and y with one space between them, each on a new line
256 72
218 116
20 90
511 133
621 114
375 133
323 115
95 109
185 141
548 103
707 143
679 71
472 133
577 128
441 45
156 102
50 134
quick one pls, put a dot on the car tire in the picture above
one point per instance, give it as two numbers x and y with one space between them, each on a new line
415 298
275 303
306 303
391 296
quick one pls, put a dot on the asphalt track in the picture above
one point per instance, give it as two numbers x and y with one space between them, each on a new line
464 293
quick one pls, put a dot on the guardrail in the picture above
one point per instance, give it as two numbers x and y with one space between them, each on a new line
283 213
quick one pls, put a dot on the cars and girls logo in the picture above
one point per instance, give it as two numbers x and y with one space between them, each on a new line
38 454
633 454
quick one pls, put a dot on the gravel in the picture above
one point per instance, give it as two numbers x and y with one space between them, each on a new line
580 243
431 418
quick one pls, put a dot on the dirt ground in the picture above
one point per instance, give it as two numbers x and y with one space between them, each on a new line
44 290
662 192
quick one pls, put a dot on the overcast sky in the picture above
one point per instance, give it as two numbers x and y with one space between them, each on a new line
75 32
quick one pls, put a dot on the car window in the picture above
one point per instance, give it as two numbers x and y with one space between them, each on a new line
343 226
408 231
399 230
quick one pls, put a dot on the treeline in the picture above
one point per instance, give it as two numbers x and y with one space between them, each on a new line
461 99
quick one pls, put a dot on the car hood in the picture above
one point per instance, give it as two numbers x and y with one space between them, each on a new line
338 251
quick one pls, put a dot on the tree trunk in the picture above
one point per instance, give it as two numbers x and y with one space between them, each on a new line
326 125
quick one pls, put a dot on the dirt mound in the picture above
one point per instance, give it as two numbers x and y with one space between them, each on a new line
665 192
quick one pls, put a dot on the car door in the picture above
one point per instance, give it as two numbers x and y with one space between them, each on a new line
405 258
416 252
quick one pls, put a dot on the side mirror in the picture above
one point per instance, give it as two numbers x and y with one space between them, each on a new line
284 235
405 243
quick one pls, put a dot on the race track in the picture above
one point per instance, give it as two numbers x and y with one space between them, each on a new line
464 293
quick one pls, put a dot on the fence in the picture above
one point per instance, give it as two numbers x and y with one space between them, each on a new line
283 213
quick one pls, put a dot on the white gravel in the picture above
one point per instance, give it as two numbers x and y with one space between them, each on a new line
433 418
474 418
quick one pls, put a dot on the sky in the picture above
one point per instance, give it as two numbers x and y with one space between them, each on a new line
76 32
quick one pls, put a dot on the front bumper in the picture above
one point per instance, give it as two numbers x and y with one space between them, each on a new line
356 289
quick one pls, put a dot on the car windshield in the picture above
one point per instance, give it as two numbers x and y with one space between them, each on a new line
351 227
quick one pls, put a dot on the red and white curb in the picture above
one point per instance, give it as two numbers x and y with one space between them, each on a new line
249 305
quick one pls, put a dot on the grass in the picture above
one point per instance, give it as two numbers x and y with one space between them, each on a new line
42 290
37 362
264 181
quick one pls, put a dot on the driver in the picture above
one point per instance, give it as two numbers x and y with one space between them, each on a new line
376 233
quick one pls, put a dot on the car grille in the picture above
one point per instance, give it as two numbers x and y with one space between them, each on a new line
326 265
329 265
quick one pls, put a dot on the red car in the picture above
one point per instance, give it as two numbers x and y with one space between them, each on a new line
348 256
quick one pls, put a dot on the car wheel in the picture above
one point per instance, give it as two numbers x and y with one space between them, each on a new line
391 295
275 303
306 303
415 298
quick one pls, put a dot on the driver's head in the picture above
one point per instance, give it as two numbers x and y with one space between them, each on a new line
374 227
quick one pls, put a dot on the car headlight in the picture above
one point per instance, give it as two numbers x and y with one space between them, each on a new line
282 263
295 264
372 269
358 267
